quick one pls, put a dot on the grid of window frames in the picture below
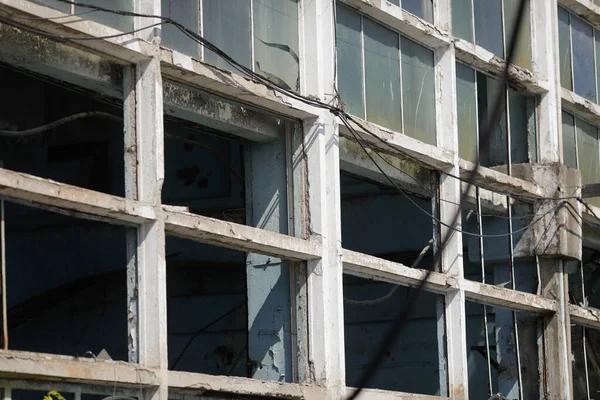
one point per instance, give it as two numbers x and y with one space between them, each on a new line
579 46
513 141
385 77
489 23
260 34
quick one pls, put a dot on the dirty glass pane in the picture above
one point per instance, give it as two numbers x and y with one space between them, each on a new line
522 55
462 19
382 74
120 22
276 41
488 25
584 71
519 127
466 108
349 60
228 28
54 4
568 139
597 45
496 151
185 12
421 8
418 91
587 152
502 351
564 45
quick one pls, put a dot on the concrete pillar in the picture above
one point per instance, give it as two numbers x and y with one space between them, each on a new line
450 190
321 152
152 280
268 278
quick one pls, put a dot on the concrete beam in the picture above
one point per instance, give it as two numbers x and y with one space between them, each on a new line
415 178
497 181
580 106
375 394
587 9
193 105
196 384
184 69
25 365
125 49
501 297
240 237
391 142
405 22
54 194
589 317
484 60
370 267
60 61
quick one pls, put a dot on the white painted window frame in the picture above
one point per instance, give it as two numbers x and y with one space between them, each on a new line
322 250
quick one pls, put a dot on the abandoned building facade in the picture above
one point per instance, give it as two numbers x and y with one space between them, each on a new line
186 213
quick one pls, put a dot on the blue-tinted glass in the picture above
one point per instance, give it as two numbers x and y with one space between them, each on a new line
568 139
519 127
584 70
121 22
462 19
495 151
421 8
186 13
466 108
276 42
349 60
564 48
228 28
418 91
382 75
488 25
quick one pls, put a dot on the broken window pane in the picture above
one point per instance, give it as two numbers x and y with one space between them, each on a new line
418 91
186 13
121 22
276 45
416 363
522 56
79 292
462 19
588 152
382 74
466 106
86 152
584 71
564 44
228 28
349 60
487 92
488 25
245 328
502 351
421 8
568 139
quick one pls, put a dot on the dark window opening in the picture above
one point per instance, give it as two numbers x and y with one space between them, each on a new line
86 152
229 312
66 284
